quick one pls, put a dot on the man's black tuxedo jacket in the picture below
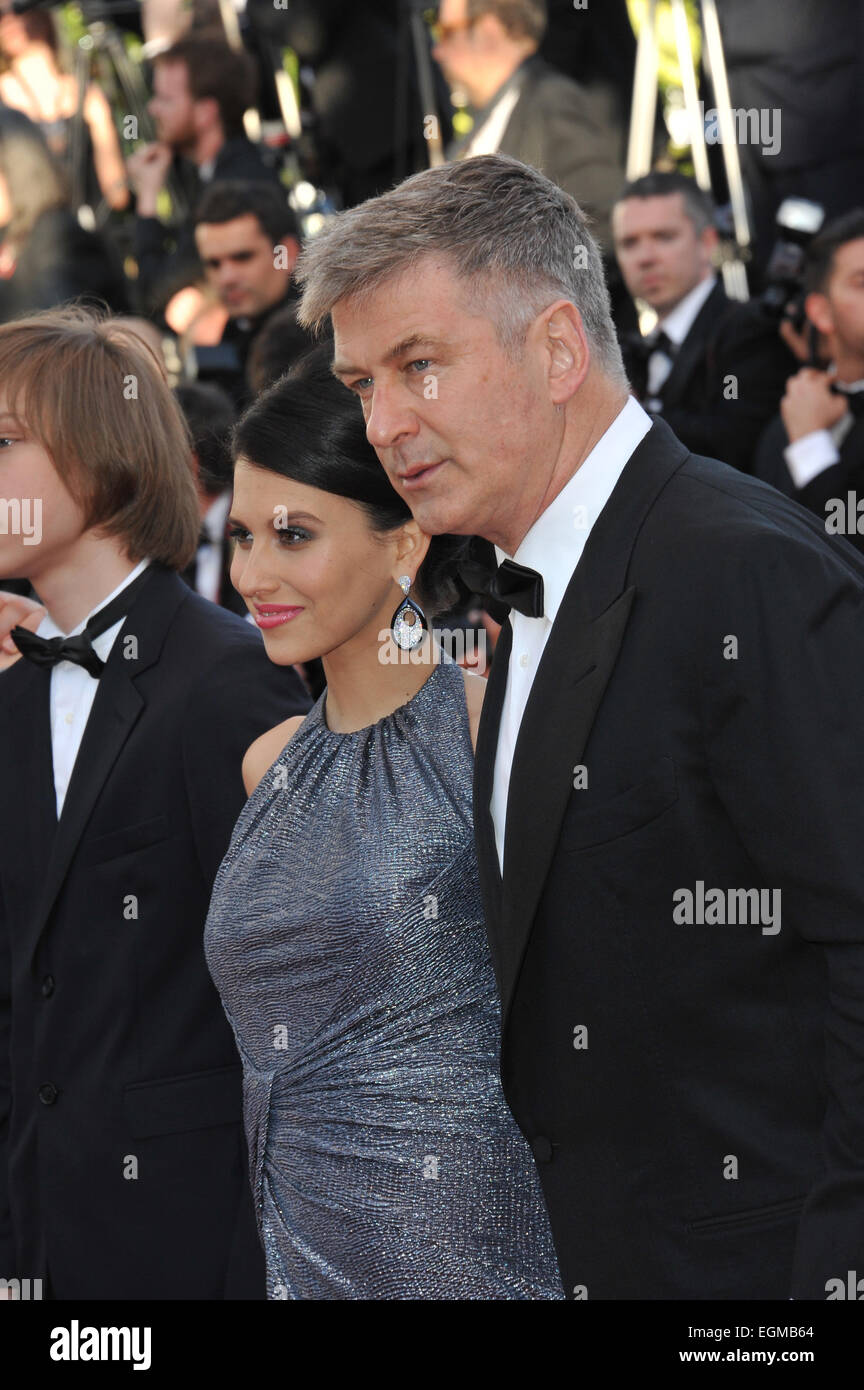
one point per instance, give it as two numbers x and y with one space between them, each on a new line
704 1136
115 1053
726 380
843 477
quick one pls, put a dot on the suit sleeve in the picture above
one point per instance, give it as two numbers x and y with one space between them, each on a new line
784 731
746 372
837 481
167 261
7 1245
233 705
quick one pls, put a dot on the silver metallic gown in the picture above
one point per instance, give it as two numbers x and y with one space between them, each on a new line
346 937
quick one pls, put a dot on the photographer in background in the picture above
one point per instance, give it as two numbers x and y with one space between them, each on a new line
46 256
713 368
201 89
248 241
814 449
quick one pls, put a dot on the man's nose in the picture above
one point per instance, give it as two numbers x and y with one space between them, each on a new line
389 417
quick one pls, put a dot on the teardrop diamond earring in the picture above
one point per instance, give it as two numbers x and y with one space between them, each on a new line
409 621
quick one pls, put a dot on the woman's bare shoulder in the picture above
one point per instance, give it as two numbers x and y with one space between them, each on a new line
265 750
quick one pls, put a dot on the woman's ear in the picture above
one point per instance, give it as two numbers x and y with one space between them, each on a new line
411 548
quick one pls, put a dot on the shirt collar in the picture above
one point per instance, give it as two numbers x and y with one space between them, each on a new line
217 514
48 628
555 542
678 323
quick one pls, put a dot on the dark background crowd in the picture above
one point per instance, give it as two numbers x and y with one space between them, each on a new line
154 162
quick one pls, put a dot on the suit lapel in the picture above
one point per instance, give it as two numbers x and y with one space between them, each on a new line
565 696
484 769
116 709
26 758
567 691
692 349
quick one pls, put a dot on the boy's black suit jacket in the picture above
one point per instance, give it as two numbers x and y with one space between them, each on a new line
703 1137
122 1162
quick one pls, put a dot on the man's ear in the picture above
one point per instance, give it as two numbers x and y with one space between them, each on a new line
709 239
818 311
292 251
568 356
205 110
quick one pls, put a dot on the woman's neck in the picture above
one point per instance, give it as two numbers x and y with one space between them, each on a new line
361 688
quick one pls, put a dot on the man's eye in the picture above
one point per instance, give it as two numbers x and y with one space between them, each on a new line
421 363
4 440
362 385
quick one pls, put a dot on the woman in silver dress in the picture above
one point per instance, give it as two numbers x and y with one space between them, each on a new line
346 932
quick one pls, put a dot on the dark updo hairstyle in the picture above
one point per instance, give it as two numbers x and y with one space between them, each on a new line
308 427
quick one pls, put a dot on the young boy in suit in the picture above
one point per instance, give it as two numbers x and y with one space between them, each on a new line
122 732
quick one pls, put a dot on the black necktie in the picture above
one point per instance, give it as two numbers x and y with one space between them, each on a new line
47 651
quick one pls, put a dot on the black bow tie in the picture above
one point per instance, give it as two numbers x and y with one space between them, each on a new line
638 352
47 651
516 585
854 396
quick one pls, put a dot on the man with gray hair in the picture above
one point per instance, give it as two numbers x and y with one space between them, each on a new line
674 711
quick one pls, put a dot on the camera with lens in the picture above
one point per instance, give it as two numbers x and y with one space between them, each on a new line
798 221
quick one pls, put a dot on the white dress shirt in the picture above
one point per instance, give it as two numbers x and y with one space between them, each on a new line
208 562
488 137
676 326
73 690
554 547
810 455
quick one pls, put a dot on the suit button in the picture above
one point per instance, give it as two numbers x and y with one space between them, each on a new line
47 986
48 1093
542 1149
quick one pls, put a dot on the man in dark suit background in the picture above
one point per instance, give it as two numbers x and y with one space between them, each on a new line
669 783
122 1155
209 412
714 369
524 107
813 450
201 89
248 240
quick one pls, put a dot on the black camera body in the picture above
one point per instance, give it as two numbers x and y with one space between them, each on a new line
798 222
